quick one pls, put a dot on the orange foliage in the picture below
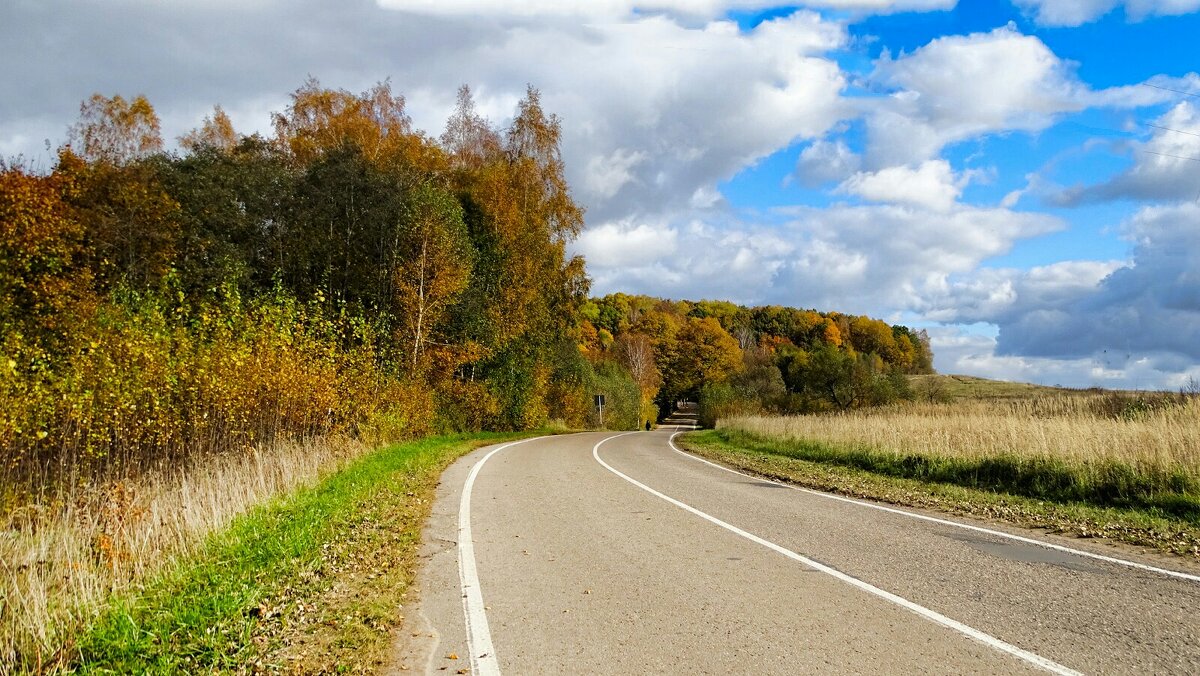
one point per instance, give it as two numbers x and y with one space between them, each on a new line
116 131
320 120
215 132
40 245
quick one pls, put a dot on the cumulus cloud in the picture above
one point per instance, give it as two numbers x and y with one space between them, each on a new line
1165 167
624 243
1077 12
655 110
880 259
1151 305
964 350
961 87
692 259
658 112
958 87
931 184
1004 295
606 175
1143 313
866 259
825 161
616 9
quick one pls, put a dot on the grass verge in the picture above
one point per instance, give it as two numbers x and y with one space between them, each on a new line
850 472
310 583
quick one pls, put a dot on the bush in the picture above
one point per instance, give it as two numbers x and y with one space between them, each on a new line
149 381
623 397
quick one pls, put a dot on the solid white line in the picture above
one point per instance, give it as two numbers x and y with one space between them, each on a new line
934 616
947 522
479 634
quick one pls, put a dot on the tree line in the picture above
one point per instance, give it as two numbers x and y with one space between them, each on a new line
350 274
734 359
345 274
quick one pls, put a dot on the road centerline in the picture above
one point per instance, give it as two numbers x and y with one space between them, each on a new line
931 615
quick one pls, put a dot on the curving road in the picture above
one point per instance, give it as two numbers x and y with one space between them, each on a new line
606 553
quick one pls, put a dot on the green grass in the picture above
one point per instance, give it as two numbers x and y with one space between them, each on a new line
312 582
1018 492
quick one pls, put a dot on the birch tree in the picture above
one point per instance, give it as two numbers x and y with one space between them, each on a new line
434 266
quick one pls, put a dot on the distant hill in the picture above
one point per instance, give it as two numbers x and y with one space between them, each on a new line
958 388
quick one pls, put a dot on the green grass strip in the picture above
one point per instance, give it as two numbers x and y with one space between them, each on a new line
239 603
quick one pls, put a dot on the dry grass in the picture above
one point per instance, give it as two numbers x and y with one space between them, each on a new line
942 387
1069 429
61 561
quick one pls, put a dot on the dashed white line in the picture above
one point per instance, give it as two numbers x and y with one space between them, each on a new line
934 616
946 522
479 634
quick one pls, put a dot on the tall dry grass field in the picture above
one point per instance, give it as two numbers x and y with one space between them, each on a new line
60 561
1150 444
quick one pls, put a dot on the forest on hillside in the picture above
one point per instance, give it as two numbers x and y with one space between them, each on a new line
737 360
350 274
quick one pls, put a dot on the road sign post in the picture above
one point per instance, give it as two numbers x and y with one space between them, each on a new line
600 405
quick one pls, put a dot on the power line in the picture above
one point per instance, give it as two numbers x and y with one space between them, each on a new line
1168 89
1178 157
1177 131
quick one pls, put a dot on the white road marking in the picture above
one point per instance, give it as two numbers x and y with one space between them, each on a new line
479 634
947 522
934 616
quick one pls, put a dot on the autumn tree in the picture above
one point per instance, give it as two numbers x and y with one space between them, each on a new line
469 139
115 130
131 224
237 212
873 336
533 148
321 120
41 280
704 353
434 265
526 293
215 132
635 352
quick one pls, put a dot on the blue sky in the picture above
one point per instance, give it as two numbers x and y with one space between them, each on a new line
1009 175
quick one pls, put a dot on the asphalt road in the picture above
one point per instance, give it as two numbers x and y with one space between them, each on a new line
597 553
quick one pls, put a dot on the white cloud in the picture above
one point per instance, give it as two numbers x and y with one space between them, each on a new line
824 161
606 175
693 259
620 9
1000 296
1077 12
1165 167
932 185
959 87
1143 311
877 259
961 350
865 259
624 243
